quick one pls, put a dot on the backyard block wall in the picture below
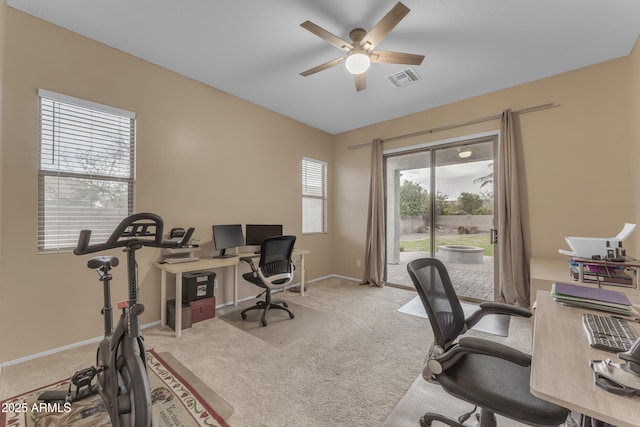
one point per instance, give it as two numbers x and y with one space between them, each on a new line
413 224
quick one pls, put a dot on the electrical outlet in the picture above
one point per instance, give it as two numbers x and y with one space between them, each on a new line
358 263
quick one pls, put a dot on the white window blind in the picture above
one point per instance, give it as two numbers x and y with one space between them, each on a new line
314 196
86 172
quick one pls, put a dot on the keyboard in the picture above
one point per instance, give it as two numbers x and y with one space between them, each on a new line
178 260
609 333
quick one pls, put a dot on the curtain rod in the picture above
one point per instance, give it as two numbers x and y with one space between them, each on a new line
457 125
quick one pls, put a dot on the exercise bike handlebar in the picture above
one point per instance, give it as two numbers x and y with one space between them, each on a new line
141 229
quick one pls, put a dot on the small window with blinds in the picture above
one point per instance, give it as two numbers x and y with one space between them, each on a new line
314 196
86 170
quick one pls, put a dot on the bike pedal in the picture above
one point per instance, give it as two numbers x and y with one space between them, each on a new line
84 377
83 380
50 396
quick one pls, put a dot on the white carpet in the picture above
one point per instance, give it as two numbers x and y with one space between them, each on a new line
497 324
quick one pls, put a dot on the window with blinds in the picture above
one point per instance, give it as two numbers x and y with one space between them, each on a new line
86 170
314 196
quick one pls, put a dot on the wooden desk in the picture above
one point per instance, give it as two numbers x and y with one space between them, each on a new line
560 371
208 264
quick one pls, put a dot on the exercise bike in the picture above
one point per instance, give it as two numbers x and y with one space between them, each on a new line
121 366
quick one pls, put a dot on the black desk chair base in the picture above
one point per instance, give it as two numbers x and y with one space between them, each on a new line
265 306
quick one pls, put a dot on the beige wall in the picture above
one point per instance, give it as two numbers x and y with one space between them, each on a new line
3 19
580 176
203 157
634 119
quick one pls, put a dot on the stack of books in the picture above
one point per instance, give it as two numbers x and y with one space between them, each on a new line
593 298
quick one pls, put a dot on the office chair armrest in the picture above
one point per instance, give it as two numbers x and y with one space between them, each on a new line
479 345
495 308
249 260
438 364
502 308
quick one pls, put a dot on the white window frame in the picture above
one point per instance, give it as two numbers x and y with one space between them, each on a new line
314 196
86 150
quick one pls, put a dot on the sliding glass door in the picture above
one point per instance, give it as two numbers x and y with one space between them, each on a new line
439 203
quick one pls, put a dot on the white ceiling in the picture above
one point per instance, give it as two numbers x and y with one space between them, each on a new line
255 49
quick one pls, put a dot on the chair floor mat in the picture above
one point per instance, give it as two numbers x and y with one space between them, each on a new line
497 324
422 397
280 330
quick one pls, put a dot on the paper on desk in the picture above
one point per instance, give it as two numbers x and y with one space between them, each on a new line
626 231
566 252
586 247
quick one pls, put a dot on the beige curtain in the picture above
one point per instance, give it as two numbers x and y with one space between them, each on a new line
513 239
375 256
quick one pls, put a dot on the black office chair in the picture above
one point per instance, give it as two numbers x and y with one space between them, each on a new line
486 374
275 271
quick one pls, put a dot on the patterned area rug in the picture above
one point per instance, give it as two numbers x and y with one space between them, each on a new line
178 397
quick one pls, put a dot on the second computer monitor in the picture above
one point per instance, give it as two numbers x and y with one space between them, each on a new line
227 236
256 233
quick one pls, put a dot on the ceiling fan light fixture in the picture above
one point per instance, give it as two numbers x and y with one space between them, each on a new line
363 45
357 62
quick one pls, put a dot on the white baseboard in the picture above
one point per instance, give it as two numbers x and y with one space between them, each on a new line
65 347
337 276
145 326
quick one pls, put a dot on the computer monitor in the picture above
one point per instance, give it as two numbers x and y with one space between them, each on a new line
227 236
256 233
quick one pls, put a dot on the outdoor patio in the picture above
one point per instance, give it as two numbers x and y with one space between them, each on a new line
473 281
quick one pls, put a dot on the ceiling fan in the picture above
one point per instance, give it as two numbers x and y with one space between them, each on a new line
360 53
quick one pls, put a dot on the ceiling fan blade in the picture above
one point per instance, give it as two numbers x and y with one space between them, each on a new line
361 81
322 67
384 27
387 57
327 36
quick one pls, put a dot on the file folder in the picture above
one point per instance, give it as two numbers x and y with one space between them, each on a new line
593 298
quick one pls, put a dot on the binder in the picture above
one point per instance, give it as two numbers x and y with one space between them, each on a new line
590 293
592 298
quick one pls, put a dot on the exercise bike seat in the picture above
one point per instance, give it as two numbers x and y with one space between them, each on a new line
102 261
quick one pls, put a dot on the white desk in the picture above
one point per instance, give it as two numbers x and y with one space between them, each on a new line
560 371
208 264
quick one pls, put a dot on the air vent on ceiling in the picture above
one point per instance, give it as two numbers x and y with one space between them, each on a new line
404 78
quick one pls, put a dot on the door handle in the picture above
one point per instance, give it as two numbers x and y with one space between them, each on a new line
493 236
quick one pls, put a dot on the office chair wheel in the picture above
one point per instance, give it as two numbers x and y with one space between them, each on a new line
428 419
263 322
244 316
291 316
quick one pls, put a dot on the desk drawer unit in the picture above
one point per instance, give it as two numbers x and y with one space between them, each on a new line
203 309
